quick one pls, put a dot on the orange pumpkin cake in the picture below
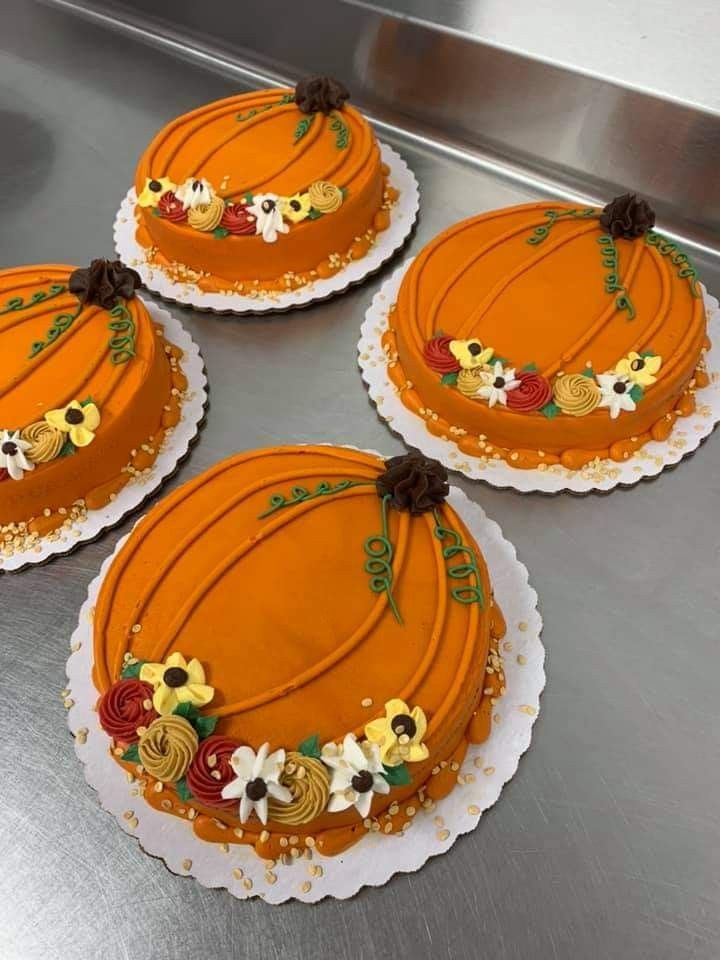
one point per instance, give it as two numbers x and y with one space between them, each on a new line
88 388
547 334
296 647
263 191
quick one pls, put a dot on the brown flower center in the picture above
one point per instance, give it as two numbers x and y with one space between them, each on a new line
175 677
637 364
256 789
73 416
404 724
9 448
362 781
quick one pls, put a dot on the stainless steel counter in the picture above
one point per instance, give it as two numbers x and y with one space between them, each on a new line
605 845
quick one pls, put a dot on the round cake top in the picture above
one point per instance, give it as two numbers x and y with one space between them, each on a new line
280 142
551 288
300 589
70 335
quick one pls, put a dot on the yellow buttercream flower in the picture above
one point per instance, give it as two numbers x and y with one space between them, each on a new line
470 354
639 368
176 681
295 208
154 189
78 420
399 734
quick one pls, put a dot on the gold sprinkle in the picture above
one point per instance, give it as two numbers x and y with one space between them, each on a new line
81 735
439 821
526 708
521 659
294 840
133 822
158 786
136 628
473 810
128 815
239 832
238 874
306 887
270 877
489 771
264 836
310 842
247 883
410 811
366 702
187 864
522 626
443 834
225 847
388 828
478 761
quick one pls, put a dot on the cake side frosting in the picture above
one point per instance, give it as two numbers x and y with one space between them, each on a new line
533 334
318 612
86 392
254 190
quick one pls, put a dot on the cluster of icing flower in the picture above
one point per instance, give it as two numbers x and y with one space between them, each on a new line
475 371
59 434
196 203
153 714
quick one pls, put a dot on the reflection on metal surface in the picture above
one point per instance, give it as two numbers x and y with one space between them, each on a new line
552 130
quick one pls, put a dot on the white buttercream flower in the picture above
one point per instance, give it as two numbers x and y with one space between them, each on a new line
615 393
257 778
356 774
499 383
267 210
194 193
12 454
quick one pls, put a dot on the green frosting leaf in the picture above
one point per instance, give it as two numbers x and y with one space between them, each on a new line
647 353
132 754
529 368
302 128
310 747
204 726
449 379
397 776
637 392
68 449
248 198
314 214
131 670
86 401
186 710
550 410
588 372
183 791
155 212
221 232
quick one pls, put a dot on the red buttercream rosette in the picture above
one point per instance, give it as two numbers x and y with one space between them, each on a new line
171 208
436 353
533 393
237 220
204 781
122 709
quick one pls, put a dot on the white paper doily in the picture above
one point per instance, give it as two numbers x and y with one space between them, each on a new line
174 448
387 243
687 433
375 858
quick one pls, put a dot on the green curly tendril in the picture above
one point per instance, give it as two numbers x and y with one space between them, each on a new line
678 258
339 128
541 232
300 494
303 127
469 593
613 284
379 562
122 343
17 303
287 98
61 324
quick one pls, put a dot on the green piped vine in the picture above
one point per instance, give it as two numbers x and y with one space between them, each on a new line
543 231
40 296
122 341
303 127
379 563
60 324
679 259
339 128
613 284
279 501
287 98
469 592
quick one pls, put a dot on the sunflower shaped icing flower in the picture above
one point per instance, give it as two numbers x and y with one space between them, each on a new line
357 773
154 189
399 734
78 420
176 681
257 779
470 353
640 367
296 208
